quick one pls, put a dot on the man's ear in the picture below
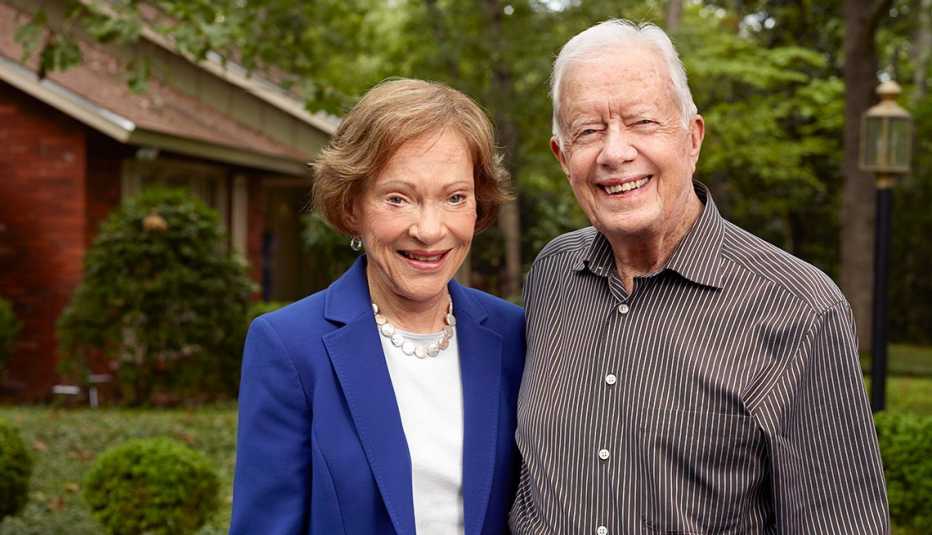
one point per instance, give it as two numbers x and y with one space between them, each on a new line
696 135
559 154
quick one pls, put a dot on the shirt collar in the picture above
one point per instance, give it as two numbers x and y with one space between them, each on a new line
696 258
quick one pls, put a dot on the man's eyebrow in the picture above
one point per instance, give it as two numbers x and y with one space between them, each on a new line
587 119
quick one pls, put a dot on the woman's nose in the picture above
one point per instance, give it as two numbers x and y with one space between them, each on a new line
429 226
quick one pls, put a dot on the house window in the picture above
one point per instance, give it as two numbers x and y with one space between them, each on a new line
208 182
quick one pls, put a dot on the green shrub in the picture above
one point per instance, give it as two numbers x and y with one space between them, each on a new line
15 470
155 486
161 301
906 445
9 328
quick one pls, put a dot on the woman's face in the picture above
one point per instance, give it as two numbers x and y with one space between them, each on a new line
417 219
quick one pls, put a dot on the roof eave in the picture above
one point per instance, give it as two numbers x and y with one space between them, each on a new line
217 152
126 131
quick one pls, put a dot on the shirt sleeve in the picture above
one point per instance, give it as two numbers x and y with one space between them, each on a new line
826 472
273 450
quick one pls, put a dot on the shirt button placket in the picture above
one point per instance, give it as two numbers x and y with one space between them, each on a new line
601 530
623 308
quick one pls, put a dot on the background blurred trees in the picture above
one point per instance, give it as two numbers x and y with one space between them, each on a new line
770 76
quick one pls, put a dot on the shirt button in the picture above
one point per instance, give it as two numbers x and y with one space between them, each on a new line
623 308
603 454
611 379
601 530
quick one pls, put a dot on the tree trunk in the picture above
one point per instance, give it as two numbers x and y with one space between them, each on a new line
674 14
922 48
857 215
502 93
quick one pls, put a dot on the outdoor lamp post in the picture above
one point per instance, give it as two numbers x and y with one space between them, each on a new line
886 146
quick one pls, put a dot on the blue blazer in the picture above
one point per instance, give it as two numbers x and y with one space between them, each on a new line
320 446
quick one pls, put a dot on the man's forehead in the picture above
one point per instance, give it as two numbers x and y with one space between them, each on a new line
631 76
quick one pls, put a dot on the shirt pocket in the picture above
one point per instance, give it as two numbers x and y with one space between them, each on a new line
700 471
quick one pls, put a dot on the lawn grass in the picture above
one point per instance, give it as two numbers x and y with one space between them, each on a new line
904 360
65 442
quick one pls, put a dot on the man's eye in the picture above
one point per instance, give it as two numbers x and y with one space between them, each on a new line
587 132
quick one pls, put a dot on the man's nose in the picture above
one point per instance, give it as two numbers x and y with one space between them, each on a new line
618 148
429 226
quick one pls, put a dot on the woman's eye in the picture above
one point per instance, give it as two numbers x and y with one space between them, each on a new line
395 199
457 198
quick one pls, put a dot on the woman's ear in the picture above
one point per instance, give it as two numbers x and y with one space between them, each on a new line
352 218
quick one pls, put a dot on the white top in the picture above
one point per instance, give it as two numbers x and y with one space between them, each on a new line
430 400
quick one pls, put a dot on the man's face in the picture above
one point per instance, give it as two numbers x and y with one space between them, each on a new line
625 150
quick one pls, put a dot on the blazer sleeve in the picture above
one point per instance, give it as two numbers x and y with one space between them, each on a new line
273 450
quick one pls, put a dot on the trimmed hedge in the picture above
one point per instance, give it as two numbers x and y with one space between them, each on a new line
906 447
155 486
15 471
9 328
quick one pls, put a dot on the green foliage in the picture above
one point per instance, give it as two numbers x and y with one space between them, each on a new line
28 35
910 284
152 486
58 51
905 443
9 329
160 300
264 307
773 141
330 249
765 74
15 471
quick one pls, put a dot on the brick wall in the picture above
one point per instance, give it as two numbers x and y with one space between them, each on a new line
43 212
104 168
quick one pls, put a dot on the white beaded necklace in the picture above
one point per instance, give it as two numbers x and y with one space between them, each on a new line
407 346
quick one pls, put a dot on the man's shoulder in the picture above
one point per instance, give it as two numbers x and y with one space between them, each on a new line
568 245
779 268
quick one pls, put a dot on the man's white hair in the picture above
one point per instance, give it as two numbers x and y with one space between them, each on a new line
612 36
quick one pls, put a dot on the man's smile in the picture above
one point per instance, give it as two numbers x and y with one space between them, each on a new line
626 186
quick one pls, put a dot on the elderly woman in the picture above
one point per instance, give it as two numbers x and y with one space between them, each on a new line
386 403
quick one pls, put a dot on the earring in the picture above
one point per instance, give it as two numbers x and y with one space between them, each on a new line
355 244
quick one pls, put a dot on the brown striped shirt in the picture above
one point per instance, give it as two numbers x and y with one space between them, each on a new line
723 395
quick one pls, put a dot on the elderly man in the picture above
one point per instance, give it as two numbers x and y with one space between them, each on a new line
682 376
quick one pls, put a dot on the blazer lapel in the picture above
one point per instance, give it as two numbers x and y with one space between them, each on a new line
355 351
481 369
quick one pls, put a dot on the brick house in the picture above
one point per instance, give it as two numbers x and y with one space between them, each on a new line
73 145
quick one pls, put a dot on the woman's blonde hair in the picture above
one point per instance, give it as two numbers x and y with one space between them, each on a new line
389 115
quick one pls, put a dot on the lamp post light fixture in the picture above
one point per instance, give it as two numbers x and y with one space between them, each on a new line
886 148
